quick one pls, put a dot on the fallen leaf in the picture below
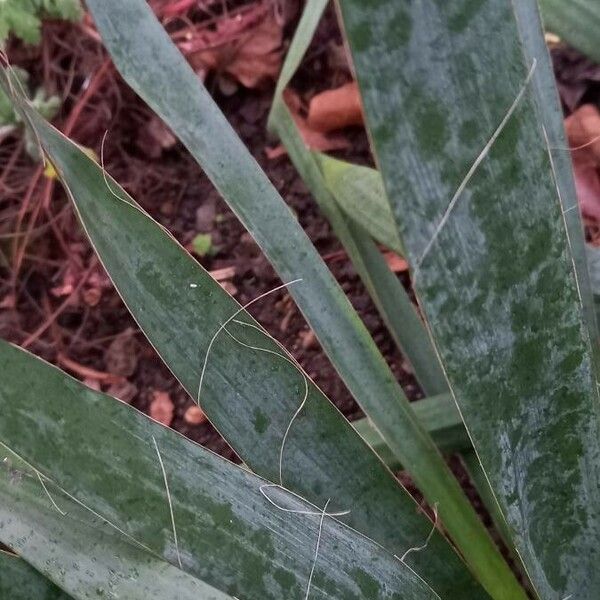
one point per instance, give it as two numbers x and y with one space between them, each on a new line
583 132
313 139
121 355
246 46
223 274
229 287
308 340
87 372
161 408
335 109
194 415
396 263
94 384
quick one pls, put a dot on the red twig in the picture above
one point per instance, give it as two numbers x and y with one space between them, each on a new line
88 372
52 318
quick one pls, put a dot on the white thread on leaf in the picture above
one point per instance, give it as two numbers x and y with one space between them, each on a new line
223 325
427 539
323 513
164 473
82 504
314 564
475 165
267 486
293 362
62 512
108 187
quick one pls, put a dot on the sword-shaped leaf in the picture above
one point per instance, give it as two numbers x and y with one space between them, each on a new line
462 130
178 502
20 581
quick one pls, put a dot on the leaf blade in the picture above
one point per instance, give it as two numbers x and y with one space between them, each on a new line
492 290
230 535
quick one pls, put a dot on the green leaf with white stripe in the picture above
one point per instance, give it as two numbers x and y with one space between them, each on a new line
75 549
481 218
216 521
20 581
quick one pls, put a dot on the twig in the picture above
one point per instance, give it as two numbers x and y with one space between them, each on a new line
42 328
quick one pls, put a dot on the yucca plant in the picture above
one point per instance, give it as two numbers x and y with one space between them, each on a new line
475 189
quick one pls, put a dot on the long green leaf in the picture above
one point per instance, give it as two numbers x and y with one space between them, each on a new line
359 192
215 520
250 395
458 129
20 581
575 21
479 480
551 117
76 549
441 419
155 69
393 303
391 299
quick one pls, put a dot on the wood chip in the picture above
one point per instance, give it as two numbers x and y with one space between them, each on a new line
335 109
194 415
162 408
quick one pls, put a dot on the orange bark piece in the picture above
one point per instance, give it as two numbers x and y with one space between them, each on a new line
335 109
194 415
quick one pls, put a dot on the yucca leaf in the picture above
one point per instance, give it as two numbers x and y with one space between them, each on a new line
20 581
75 549
359 192
575 21
390 298
401 318
462 131
440 418
250 395
215 520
